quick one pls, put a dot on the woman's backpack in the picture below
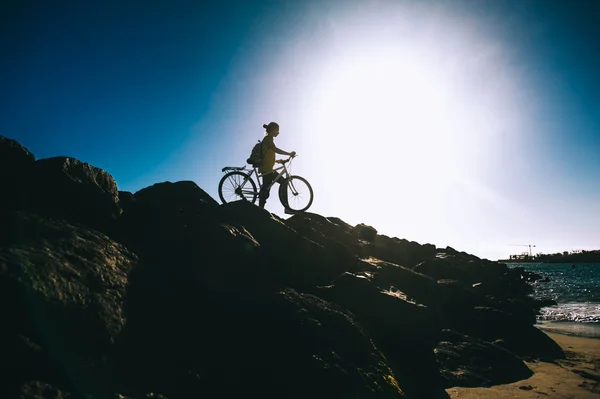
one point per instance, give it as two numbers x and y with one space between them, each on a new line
256 155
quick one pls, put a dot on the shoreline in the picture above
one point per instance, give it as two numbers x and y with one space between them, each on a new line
534 262
570 328
576 376
549 262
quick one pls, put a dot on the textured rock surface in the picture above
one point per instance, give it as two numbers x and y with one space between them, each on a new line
184 297
15 167
62 289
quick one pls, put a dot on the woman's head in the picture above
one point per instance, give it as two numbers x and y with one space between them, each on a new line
272 128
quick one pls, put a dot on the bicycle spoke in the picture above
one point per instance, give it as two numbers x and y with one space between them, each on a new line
236 186
299 194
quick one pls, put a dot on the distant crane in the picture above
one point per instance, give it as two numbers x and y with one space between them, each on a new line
525 245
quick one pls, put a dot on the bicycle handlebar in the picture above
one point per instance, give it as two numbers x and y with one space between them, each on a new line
282 161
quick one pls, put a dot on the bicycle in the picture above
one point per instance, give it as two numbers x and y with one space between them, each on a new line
238 185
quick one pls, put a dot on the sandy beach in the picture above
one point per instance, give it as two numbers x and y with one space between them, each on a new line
576 377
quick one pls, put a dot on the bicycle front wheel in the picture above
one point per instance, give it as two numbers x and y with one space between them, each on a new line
299 194
237 186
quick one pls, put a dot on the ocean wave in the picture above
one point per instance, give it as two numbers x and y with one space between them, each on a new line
566 283
578 312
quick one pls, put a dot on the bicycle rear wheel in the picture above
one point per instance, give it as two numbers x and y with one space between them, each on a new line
237 186
299 194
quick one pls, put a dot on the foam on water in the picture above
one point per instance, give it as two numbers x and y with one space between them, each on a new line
578 312
576 290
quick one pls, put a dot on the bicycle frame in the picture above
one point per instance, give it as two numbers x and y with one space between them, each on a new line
279 175
254 171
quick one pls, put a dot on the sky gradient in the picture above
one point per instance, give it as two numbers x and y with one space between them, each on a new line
474 124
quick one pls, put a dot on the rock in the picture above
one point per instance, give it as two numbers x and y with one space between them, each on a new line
489 283
61 294
278 344
470 362
366 233
297 261
407 345
453 302
42 390
15 168
417 287
183 194
13 156
231 300
341 224
448 268
167 217
75 191
331 233
517 336
401 251
126 200
361 241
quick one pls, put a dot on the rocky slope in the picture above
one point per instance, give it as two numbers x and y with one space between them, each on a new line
166 293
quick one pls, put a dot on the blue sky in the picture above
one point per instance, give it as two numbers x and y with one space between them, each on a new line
474 124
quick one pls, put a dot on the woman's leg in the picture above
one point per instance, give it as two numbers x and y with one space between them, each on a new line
266 188
284 199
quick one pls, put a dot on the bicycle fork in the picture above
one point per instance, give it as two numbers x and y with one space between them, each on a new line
292 188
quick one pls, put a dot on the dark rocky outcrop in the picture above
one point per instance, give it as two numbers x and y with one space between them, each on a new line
106 293
61 298
125 200
15 165
366 233
471 362
42 390
279 343
404 330
60 187
401 251
67 188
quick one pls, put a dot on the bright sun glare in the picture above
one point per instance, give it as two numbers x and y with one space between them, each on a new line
390 108
401 116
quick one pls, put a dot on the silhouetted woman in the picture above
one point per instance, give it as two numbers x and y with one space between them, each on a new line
269 149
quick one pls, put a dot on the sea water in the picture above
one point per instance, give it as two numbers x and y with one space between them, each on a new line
576 290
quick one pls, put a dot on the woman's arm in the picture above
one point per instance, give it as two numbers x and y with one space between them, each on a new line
281 152
269 143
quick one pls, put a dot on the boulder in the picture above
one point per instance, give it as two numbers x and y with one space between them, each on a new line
366 233
295 260
417 287
75 191
518 336
331 233
404 331
166 218
61 294
454 297
251 343
15 167
185 195
13 156
126 200
187 298
401 251
42 390
448 268
470 362
502 287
